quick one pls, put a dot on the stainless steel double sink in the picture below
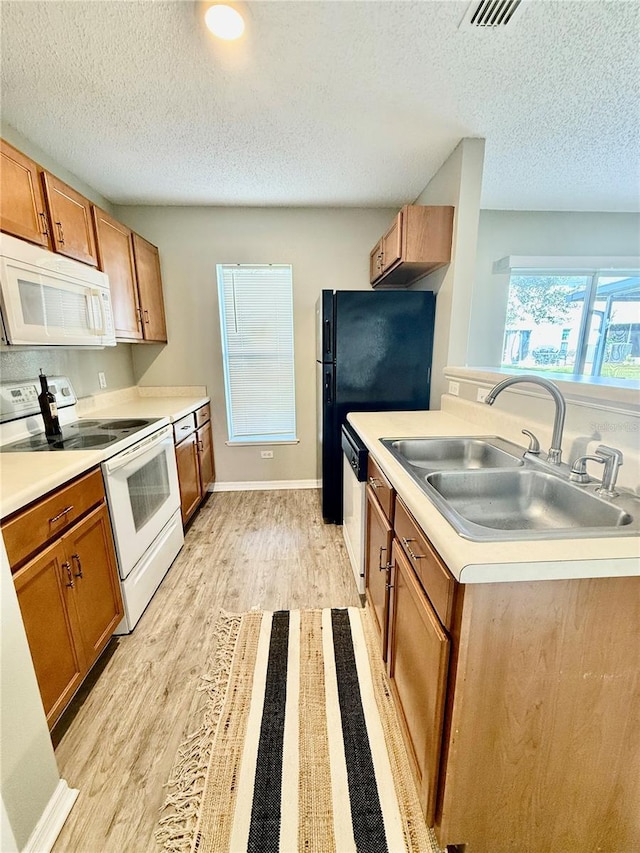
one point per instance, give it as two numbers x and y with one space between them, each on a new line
489 490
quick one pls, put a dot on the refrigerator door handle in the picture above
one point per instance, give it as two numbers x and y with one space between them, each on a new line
327 336
328 395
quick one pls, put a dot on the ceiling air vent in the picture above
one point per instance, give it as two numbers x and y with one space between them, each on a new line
489 14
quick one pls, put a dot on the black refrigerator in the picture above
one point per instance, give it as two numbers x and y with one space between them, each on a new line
373 353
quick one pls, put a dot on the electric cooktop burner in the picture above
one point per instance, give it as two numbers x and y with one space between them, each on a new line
81 435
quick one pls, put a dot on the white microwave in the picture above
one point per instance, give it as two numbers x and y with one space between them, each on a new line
47 299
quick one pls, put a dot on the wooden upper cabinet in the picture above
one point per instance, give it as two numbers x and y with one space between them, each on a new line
392 243
114 242
417 243
70 216
22 209
375 261
147 263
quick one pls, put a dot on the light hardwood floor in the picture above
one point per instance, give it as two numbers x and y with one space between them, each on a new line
245 549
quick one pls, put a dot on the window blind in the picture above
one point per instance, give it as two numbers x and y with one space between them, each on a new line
256 319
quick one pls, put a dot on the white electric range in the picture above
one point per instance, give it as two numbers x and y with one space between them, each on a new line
140 475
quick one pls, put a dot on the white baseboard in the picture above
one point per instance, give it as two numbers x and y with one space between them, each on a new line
265 485
52 820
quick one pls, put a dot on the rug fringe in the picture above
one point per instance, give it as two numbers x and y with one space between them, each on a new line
187 780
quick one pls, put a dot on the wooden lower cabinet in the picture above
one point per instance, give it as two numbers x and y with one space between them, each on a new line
194 455
44 596
377 562
204 438
417 663
188 476
97 597
70 600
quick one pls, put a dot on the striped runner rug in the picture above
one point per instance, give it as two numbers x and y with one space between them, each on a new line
298 746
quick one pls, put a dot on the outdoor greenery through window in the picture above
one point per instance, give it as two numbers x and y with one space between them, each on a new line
256 320
583 325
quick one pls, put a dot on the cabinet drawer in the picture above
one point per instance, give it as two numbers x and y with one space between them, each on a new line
203 414
32 528
431 571
382 488
184 427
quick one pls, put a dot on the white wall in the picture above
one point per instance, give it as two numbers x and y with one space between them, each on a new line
328 248
516 232
28 771
458 182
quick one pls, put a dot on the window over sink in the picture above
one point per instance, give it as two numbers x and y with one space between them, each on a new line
256 322
580 324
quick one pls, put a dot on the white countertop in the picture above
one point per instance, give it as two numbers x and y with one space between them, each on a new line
487 562
25 477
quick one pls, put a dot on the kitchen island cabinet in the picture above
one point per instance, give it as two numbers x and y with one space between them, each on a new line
380 504
519 700
65 573
22 208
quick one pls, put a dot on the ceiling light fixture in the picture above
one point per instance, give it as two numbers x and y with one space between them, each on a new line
224 21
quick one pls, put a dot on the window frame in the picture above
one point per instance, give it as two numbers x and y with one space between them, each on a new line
263 439
592 269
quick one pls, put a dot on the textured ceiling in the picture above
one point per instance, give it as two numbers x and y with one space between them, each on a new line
329 103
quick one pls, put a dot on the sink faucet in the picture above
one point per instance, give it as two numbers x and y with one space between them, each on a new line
555 451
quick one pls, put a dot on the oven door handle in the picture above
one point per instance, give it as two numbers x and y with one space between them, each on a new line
138 450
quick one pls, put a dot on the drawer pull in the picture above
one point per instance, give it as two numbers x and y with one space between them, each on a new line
61 514
200 446
76 557
375 484
70 582
413 556
43 218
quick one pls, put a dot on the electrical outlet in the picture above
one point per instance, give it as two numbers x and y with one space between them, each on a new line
454 388
481 396
102 379
266 454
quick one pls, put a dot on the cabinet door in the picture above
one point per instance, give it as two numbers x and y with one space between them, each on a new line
96 596
44 592
71 225
188 476
375 262
22 211
115 257
417 666
149 289
376 572
205 457
392 244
